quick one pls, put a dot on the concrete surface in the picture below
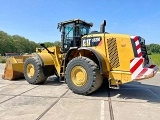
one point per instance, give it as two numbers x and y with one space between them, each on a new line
54 101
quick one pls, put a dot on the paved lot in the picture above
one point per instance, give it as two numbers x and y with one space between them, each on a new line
54 101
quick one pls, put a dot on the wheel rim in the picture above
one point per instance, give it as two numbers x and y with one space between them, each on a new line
30 70
79 76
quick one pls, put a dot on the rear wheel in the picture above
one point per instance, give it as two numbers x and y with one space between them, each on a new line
83 76
33 71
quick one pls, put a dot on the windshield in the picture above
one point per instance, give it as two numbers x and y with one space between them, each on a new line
84 29
80 30
69 35
69 31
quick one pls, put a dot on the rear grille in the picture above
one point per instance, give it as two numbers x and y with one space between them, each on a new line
113 53
144 52
143 49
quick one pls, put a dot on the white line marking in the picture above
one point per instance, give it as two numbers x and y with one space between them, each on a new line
102 110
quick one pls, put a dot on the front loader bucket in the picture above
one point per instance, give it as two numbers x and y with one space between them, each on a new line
14 67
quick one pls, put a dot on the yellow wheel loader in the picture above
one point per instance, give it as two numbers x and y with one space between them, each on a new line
85 59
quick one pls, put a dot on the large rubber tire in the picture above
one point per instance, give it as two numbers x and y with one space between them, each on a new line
37 75
94 78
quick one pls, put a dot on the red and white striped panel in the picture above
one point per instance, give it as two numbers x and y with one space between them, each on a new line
137 68
139 71
138 47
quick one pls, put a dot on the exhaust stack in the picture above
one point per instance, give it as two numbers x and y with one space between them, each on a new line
102 27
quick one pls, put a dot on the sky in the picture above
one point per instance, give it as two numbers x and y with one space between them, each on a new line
37 20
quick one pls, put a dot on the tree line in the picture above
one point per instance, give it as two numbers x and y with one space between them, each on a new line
19 44
153 49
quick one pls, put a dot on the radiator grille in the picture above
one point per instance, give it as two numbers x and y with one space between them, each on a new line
113 53
144 53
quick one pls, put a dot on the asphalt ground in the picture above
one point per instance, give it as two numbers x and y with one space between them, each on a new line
54 101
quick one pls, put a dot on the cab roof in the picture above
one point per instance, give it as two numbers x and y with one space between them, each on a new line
75 21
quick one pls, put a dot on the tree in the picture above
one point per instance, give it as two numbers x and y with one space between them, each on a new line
50 44
15 43
57 43
153 48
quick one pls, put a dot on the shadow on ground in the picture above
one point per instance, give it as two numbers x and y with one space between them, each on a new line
53 80
131 91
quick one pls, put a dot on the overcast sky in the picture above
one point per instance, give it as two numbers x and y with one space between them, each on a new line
37 19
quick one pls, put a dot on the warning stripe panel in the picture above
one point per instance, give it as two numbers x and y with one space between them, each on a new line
142 73
152 66
134 61
140 54
139 71
136 65
139 50
138 46
136 72
137 43
135 38
137 68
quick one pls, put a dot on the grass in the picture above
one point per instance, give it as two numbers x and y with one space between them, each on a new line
155 59
2 59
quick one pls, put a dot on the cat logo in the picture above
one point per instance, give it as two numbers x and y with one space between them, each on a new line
91 41
86 42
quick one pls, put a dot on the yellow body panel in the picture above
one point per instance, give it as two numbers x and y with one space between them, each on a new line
124 48
120 76
121 72
54 58
125 52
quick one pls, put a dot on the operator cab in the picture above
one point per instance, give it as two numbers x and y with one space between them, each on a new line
72 31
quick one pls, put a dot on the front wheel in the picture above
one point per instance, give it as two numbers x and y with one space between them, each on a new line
83 76
33 71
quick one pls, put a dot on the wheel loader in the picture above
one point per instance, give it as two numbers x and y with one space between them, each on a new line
86 59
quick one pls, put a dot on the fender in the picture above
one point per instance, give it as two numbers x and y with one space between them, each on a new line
101 60
69 52
39 58
44 58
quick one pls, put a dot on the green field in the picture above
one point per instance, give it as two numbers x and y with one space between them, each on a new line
155 59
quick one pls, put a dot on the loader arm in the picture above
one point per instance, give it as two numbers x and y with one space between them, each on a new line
52 58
